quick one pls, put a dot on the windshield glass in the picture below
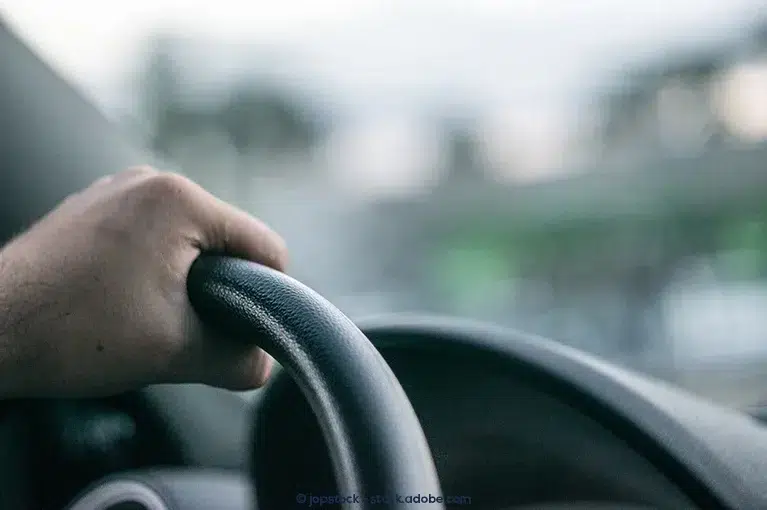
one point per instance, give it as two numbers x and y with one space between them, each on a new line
593 172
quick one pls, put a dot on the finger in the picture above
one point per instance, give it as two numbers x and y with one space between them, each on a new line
215 359
222 227
234 232
238 369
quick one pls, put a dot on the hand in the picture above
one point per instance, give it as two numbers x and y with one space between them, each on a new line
93 297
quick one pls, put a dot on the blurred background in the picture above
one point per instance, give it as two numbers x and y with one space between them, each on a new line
594 172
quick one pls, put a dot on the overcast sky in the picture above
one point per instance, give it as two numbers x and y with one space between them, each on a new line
360 52
522 64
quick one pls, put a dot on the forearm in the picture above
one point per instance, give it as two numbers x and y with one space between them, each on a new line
19 366
10 357
10 376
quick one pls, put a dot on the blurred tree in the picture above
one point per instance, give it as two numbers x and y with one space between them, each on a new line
665 106
251 116
463 153
757 43
625 114
266 120
159 87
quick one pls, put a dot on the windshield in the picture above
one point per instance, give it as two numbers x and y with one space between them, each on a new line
593 172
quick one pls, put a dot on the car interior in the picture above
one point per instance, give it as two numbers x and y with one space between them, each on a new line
399 412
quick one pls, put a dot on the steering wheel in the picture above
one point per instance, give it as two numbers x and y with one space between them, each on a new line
378 450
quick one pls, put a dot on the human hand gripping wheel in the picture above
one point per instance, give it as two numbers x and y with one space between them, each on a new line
376 443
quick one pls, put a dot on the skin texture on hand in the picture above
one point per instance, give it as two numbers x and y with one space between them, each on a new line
93 297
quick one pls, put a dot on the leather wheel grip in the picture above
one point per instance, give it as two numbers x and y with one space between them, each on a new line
376 444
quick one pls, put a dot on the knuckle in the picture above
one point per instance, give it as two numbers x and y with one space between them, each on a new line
138 170
166 187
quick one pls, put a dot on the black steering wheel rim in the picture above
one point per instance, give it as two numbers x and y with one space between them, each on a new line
376 444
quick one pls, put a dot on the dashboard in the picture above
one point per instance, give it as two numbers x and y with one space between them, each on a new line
507 433
51 449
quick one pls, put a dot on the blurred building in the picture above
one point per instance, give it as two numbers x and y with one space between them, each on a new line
233 107
413 213
687 103
601 259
